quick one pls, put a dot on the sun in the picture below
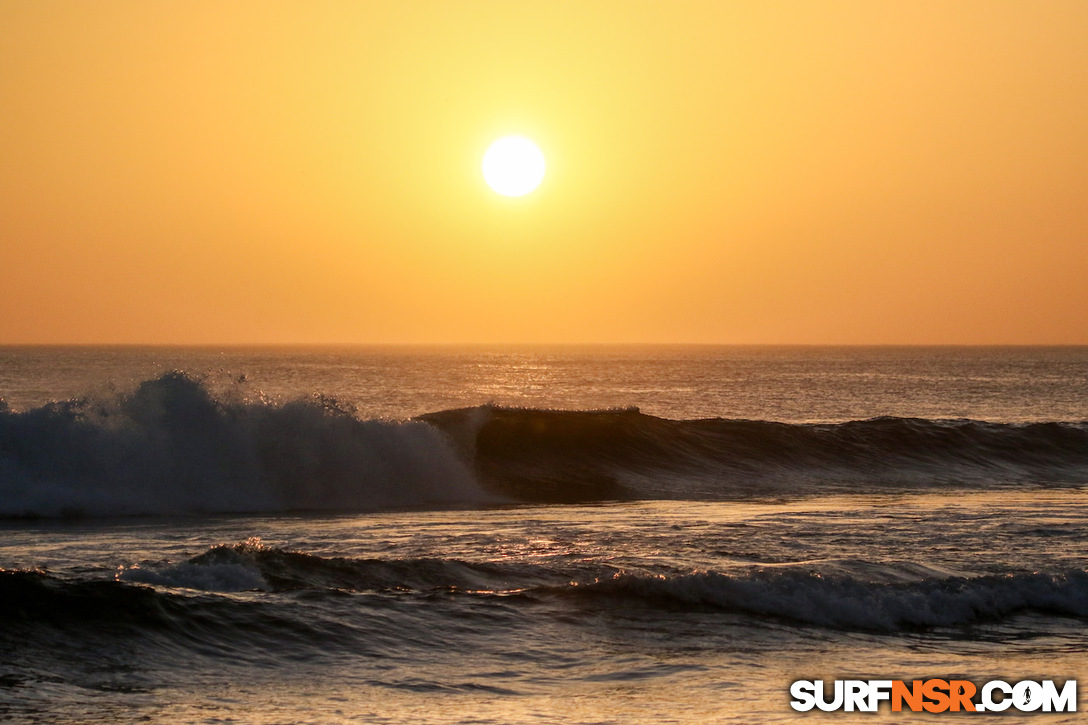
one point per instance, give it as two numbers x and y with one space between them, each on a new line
513 166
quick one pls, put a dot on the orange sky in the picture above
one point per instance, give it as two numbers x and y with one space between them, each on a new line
733 172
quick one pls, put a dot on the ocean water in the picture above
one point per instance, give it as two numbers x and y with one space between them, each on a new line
532 535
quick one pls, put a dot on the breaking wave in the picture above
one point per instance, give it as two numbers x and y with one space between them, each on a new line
171 446
833 600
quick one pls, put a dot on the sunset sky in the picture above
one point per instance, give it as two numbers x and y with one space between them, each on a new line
717 172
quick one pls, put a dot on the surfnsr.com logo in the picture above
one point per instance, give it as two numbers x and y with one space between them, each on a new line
934 695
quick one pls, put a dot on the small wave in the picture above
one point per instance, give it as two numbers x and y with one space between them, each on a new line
847 603
189 575
34 596
841 595
40 608
834 601
250 565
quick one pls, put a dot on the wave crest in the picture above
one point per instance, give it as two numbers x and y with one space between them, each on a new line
172 447
846 603
553 455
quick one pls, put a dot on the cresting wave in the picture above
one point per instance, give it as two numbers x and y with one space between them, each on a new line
841 602
172 447
250 565
543 455
178 592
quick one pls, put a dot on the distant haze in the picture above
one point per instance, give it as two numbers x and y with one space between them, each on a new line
718 172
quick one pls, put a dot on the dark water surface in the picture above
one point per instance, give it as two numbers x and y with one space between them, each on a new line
268 538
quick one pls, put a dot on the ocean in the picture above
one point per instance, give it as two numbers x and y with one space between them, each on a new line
629 534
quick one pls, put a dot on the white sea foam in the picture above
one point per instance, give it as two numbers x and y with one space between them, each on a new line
172 447
205 577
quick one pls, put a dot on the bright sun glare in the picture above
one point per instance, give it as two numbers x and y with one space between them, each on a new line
513 166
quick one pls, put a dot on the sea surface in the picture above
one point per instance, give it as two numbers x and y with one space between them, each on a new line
659 534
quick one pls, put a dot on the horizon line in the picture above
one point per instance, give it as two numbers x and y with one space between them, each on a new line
538 344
